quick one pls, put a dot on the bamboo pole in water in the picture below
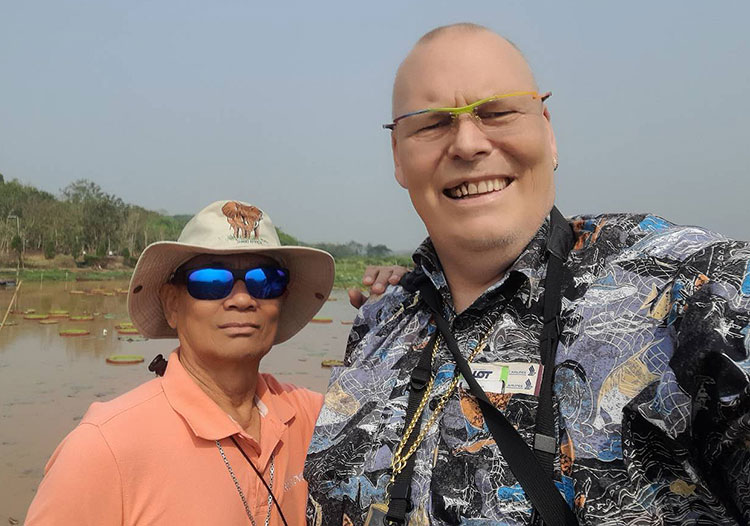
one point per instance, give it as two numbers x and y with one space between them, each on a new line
18 286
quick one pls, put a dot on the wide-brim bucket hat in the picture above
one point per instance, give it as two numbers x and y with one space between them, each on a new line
230 227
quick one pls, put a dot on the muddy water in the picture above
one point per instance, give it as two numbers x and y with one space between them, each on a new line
47 381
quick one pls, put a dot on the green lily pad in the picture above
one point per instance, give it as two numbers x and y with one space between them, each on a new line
124 359
36 316
331 363
74 332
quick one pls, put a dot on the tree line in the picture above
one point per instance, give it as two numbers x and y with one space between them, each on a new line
82 220
85 222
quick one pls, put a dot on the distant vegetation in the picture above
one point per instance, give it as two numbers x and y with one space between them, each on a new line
83 222
86 227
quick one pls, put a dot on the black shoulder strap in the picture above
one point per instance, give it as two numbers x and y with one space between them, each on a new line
534 473
537 484
559 244
400 492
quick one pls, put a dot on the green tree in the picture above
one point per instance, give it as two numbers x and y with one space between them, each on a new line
17 245
287 239
377 251
100 215
49 249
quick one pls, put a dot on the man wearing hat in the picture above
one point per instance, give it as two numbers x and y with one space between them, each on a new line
213 441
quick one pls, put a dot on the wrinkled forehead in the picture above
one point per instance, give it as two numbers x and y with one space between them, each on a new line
231 260
458 68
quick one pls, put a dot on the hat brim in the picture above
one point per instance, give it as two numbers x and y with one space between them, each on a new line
311 274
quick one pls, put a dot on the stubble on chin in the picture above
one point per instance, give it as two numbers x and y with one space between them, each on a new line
488 243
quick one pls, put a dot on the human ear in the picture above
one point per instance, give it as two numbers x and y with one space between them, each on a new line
396 165
169 297
550 133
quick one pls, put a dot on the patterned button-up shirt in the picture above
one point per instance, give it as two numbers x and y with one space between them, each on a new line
652 398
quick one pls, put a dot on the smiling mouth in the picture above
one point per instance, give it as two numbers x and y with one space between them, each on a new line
474 188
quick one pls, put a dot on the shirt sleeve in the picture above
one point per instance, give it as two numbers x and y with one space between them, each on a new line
310 402
81 484
711 365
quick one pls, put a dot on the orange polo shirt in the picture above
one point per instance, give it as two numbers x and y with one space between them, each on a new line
150 457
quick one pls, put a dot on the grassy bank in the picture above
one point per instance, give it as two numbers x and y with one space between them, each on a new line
349 272
62 274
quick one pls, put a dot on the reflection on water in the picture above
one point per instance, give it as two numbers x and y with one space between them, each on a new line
47 381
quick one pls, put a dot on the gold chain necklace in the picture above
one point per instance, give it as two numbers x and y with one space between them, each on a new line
399 460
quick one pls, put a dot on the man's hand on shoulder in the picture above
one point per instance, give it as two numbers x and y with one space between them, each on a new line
377 278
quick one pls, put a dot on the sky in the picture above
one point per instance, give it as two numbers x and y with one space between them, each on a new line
172 105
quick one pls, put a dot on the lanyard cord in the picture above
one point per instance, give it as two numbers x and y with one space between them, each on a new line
239 488
260 476
158 366
532 469
398 495
401 458
522 461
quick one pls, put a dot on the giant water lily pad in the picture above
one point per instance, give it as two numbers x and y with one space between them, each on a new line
331 363
50 321
74 332
82 317
131 338
124 359
37 317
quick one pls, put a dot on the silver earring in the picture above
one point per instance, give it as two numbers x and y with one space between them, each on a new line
554 163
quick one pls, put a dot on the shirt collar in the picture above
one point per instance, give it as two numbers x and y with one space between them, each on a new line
531 262
207 420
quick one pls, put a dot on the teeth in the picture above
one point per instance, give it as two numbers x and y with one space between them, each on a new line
482 187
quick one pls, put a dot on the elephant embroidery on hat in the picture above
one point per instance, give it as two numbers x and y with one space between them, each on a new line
244 219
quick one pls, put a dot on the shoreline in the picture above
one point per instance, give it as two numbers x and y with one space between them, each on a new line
349 272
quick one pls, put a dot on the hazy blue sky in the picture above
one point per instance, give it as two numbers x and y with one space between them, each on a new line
171 105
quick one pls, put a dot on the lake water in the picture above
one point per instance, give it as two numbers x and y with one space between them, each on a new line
47 381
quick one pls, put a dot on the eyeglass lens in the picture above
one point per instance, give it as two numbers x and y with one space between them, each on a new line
217 283
500 116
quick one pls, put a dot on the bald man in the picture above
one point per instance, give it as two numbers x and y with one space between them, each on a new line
606 356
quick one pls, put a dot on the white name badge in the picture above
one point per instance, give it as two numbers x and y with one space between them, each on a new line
507 377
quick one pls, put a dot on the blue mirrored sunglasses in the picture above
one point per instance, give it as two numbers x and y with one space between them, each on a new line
215 283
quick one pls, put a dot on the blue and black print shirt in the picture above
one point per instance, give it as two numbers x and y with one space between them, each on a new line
652 398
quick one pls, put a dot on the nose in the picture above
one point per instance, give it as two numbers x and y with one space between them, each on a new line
240 298
469 142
